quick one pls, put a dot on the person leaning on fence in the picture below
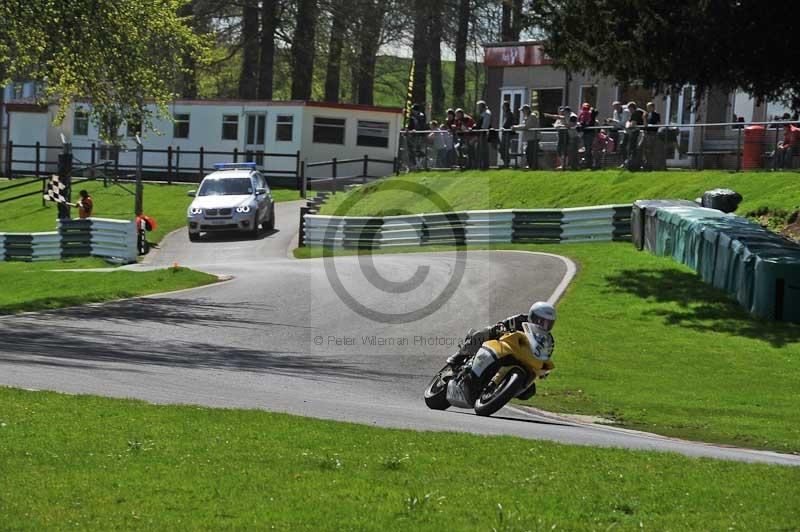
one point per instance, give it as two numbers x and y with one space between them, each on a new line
633 138
783 151
85 205
437 140
462 128
414 141
484 124
619 117
586 123
530 122
653 146
506 135
602 145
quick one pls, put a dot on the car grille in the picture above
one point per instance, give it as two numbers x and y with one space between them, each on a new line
219 212
205 227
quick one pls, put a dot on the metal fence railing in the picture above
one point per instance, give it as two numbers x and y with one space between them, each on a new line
735 146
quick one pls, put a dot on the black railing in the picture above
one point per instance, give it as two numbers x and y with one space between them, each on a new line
172 168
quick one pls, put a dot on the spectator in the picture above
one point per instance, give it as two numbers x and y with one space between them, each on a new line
563 123
653 147
485 123
450 121
437 140
619 117
783 151
633 159
506 135
85 205
602 145
415 142
530 135
586 121
465 148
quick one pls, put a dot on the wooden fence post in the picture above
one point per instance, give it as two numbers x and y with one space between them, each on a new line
297 169
334 173
10 153
303 181
169 164
200 177
364 173
37 159
236 155
178 163
92 160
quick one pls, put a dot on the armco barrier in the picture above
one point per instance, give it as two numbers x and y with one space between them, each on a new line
583 224
758 268
75 238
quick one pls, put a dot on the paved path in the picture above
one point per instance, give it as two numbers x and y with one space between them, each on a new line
278 337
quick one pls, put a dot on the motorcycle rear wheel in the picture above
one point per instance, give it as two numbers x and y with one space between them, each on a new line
436 392
493 400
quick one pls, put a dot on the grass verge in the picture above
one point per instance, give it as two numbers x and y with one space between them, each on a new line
35 286
643 341
94 463
506 189
166 203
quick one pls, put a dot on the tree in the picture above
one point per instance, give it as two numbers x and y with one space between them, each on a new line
373 12
333 72
135 57
420 51
303 50
248 80
462 34
663 46
435 36
266 65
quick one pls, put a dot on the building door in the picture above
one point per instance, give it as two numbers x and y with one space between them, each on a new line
255 127
516 99
681 112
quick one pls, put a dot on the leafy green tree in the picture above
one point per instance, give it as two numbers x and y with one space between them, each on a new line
119 54
728 45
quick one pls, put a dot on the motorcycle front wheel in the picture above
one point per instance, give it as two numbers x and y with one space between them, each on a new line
493 398
436 392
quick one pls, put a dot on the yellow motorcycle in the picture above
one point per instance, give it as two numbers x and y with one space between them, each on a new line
500 370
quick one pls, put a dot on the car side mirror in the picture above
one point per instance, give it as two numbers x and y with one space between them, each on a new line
192 193
260 191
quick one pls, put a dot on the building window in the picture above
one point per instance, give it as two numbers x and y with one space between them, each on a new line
589 95
80 126
180 128
255 129
230 127
329 130
17 91
374 134
284 127
133 128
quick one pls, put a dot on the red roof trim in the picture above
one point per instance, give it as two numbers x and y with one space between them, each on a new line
357 107
25 108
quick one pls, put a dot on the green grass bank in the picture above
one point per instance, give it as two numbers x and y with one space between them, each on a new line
506 189
100 464
39 286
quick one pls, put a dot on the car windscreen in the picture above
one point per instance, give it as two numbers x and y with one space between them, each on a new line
232 186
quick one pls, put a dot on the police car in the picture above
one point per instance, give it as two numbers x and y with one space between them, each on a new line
235 197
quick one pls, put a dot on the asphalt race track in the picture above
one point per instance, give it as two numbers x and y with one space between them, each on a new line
279 337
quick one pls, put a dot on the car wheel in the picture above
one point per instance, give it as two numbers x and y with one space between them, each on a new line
194 237
269 225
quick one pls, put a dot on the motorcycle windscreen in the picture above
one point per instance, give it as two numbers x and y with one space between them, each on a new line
540 344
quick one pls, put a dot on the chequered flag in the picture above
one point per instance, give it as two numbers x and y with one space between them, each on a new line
54 191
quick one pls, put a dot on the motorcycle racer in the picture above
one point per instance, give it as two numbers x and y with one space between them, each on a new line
541 316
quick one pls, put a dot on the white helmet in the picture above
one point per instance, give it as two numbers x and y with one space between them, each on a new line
542 314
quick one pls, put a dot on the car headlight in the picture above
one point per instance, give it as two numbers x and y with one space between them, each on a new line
195 210
243 209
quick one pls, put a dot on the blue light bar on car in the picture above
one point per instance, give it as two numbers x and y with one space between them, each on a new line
234 166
